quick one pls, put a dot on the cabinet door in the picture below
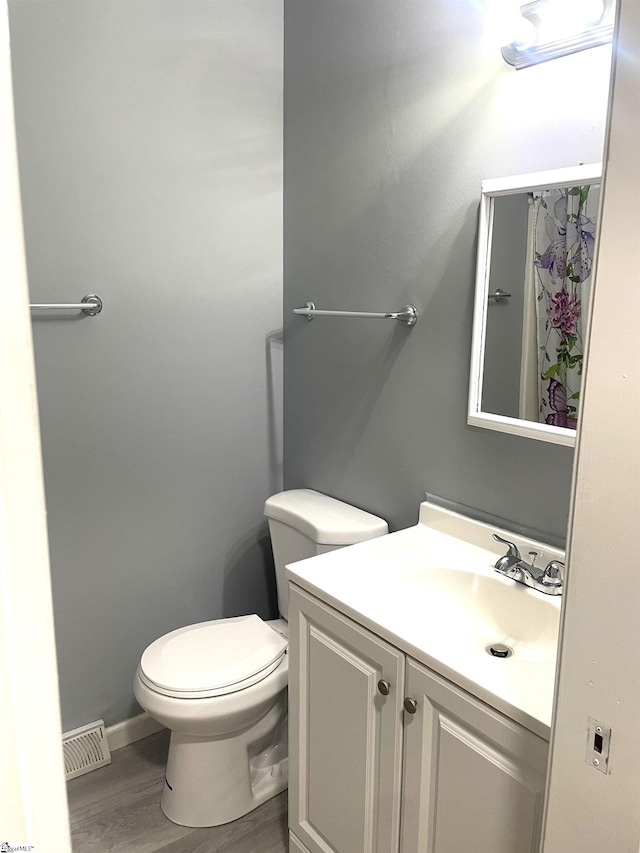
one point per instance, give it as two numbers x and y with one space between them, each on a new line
345 735
473 779
295 846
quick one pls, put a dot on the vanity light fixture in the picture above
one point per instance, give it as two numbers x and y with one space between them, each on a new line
559 27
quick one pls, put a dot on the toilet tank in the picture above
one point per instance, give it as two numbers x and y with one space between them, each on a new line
304 523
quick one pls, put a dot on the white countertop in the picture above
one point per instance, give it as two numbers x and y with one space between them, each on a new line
400 587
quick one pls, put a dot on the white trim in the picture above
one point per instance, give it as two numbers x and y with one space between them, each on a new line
528 429
33 803
550 179
129 731
491 189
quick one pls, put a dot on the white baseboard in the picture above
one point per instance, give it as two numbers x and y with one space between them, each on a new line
129 731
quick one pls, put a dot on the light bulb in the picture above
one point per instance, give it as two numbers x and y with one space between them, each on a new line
505 24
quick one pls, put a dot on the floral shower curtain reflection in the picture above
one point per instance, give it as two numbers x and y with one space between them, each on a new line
564 223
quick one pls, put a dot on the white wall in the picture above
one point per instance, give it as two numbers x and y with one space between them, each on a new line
599 670
33 806
150 150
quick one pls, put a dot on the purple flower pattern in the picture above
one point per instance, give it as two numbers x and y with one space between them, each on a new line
563 310
564 250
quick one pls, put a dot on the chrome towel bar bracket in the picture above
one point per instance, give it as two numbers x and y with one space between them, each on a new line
408 314
91 304
499 295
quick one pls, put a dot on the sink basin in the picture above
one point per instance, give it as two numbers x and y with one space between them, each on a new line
470 607
431 591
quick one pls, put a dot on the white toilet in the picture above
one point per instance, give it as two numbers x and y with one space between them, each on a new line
221 686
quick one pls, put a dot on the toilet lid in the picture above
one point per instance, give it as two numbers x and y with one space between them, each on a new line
213 658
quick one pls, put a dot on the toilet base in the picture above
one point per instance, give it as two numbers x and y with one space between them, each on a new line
211 781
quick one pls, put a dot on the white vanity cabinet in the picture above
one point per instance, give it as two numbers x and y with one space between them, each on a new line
372 773
473 779
345 734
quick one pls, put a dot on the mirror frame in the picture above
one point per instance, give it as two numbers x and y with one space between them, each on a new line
492 189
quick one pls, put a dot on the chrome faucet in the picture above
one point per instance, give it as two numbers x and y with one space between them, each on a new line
548 580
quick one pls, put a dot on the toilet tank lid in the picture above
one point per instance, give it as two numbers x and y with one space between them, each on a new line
323 519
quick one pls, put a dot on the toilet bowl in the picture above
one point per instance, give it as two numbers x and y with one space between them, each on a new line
221 686
228 750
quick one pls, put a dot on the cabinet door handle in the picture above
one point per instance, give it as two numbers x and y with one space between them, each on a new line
384 687
410 705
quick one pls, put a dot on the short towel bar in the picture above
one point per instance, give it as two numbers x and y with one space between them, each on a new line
91 304
408 314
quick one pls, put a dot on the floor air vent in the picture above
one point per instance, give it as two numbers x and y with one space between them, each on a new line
85 749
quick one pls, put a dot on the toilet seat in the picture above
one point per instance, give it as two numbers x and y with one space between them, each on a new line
212 658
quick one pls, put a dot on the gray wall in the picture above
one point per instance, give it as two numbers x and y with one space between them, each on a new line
150 147
503 343
395 111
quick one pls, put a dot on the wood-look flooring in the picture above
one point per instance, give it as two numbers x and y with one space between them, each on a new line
117 808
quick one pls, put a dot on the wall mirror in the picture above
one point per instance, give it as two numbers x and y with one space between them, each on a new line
536 246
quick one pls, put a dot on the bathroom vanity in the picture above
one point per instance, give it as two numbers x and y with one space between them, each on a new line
406 733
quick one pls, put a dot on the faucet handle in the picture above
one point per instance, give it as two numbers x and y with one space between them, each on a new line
513 549
553 574
504 564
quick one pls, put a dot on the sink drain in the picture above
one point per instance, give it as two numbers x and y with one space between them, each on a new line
498 650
